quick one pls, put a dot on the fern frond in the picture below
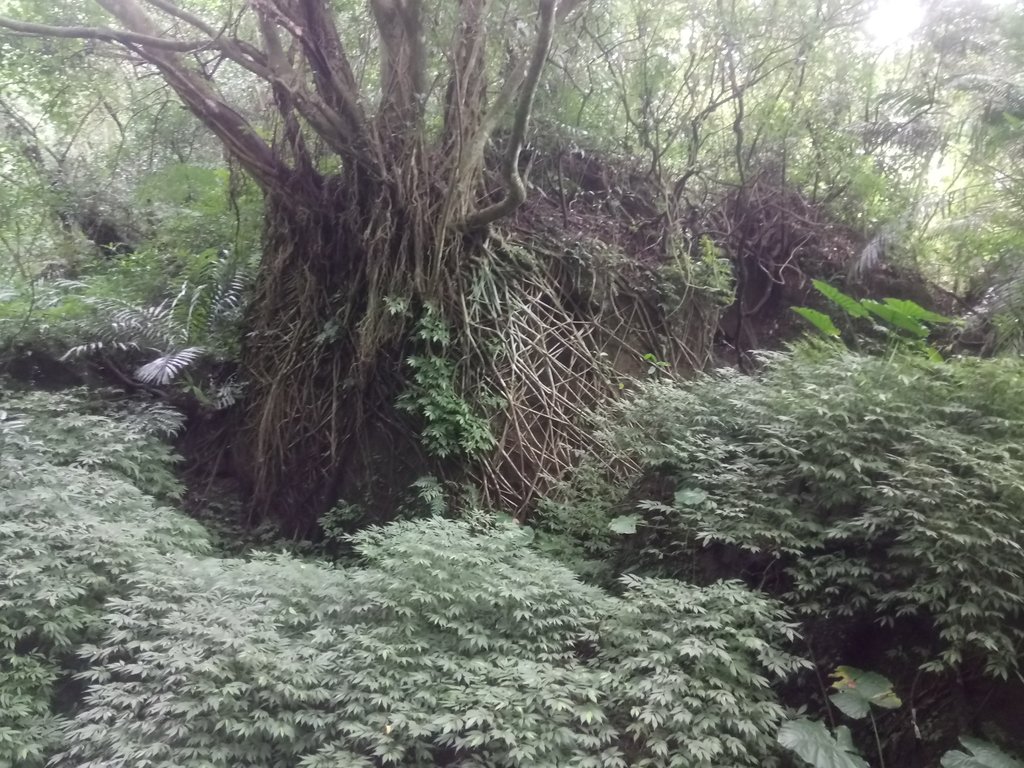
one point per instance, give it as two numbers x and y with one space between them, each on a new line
147 326
166 368
227 394
157 419
229 295
93 347
1005 93
870 256
192 310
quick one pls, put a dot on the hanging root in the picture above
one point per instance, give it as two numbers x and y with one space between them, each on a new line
541 333
553 343
323 353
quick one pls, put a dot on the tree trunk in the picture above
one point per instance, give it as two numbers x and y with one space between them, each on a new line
321 355
325 343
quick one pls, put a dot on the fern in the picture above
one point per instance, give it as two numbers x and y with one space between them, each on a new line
200 320
226 393
997 318
166 368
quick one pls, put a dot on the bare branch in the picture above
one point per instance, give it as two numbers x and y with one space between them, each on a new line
242 53
466 84
566 7
239 51
338 115
412 17
399 26
277 60
515 189
326 55
285 87
189 18
103 33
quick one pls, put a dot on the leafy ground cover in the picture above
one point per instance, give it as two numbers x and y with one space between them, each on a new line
126 640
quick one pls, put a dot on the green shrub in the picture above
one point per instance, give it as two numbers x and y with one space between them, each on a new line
74 525
123 642
29 730
862 488
72 429
450 646
73 528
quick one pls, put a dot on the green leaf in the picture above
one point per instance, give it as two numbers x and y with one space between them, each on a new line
984 755
844 738
811 742
896 318
819 320
851 704
848 304
914 310
690 497
624 524
858 690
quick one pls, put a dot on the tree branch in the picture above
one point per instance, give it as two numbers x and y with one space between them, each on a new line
464 98
515 189
238 51
285 87
399 27
189 18
339 116
104 33
412 17
236 133
566 7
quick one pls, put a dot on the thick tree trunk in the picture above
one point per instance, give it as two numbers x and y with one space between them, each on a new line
323 355
296 377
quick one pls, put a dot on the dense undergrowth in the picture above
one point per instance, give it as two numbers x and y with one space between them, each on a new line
870 505
127 641
394 261
878 497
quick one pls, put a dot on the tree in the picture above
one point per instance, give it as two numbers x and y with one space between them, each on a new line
365 204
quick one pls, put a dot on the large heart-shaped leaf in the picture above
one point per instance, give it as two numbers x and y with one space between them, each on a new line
625 524
811 742
983 755
857 691
819 320
849 304
895 317
916 311
690 497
